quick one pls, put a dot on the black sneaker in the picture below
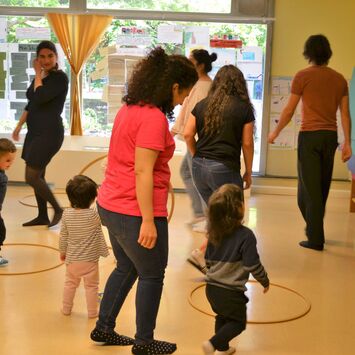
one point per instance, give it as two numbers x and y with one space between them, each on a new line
308 245
155 348
111 338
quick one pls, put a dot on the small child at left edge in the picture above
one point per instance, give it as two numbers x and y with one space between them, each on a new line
7 157
81 244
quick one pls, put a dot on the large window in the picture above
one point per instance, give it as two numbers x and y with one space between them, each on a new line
126 41
220 6
105 75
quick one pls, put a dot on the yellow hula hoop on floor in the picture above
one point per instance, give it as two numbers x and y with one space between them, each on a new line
31 272
171 191
283 320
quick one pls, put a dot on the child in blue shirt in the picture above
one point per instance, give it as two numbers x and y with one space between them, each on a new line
231 256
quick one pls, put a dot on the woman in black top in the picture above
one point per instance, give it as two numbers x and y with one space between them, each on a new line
224 123
45 132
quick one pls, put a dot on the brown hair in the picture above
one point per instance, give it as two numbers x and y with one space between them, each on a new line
48 45
229 81
154 76
317 50
203 57
6 146
225 212
81 191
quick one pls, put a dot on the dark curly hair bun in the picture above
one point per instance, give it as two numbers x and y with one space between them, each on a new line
158 56
213 57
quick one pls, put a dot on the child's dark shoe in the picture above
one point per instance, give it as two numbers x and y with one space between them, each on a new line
154 348
111 338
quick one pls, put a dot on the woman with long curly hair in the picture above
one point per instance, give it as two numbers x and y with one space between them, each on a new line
224 123
133 197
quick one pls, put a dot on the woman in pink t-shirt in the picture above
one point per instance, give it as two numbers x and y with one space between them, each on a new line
133 197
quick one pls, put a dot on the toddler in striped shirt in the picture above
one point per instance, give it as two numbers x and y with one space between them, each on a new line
81 244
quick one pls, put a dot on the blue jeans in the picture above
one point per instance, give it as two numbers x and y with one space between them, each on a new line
209 175
186 175
133 261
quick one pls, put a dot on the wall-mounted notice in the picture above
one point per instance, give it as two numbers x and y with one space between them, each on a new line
197 35
170 34
3 30
280 93
286 139
33 33
2 74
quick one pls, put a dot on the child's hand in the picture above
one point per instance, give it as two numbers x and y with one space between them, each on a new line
62 257
266 289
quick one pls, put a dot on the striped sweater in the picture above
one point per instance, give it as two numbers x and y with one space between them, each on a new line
81 237
230 264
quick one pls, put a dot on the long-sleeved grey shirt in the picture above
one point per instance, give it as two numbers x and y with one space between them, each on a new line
230 264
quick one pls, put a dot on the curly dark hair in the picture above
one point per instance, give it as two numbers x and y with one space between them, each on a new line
229 81
154 76
225 212
81 191
203 57
317 50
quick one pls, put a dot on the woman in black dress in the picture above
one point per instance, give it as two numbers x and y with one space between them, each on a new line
45 132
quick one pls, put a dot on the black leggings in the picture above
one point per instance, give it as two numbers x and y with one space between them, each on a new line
2 231
230 308
35 177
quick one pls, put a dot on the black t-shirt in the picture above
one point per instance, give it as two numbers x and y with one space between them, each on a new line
225 146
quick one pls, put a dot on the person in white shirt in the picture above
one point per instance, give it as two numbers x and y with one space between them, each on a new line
202 61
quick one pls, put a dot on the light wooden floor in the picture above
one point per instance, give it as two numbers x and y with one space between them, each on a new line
31 323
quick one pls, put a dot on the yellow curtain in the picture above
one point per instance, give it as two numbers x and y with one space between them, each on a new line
78 35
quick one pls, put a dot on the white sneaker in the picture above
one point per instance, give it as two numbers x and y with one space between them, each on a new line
200 227
197 259
208 348
196 220
231 350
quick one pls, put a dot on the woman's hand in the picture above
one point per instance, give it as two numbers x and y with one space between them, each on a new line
37 66
272 136
148 235
16 133
246 180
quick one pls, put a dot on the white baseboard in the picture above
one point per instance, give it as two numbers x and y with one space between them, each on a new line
292 191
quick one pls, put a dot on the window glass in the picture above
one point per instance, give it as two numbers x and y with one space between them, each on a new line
126 41
35 3
210 6
18 44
